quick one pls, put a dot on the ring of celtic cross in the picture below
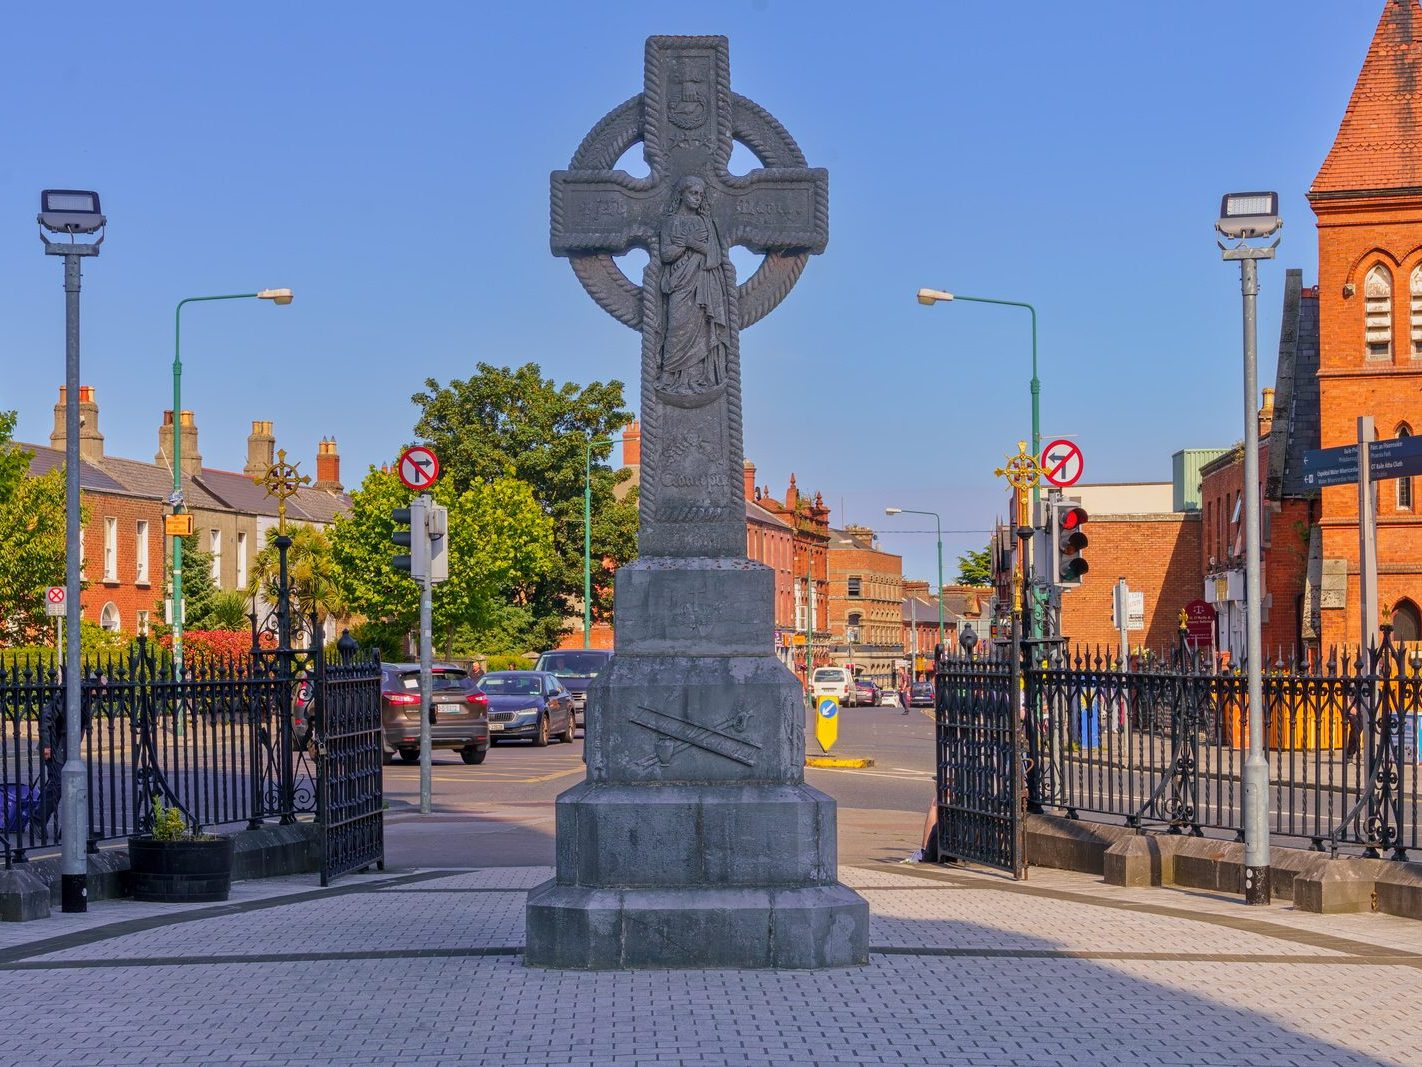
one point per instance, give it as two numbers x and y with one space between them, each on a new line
619 130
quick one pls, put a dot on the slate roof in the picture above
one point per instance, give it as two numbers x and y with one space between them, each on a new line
44 459
212 490
1379 142
1296 399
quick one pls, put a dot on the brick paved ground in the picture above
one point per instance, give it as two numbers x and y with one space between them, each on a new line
968 968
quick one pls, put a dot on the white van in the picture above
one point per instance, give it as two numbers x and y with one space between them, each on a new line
834 682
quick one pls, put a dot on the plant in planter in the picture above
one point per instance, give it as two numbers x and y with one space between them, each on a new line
175 864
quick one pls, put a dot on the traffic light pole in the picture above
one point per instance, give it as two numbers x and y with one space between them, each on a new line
426 641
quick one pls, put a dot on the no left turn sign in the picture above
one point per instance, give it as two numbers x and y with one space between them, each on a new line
418 468
1062 463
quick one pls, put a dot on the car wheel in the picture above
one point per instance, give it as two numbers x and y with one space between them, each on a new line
473 754
410 755
540 739
387 758
567 735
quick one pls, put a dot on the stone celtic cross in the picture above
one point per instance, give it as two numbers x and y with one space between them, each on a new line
687 214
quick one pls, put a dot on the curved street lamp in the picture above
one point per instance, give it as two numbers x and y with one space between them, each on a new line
939 523
280 297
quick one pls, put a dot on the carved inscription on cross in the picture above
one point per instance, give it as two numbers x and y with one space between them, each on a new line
687 214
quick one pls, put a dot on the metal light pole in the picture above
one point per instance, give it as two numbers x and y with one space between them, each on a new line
175 557
934 296
939 524
1245 215
587 535
71 212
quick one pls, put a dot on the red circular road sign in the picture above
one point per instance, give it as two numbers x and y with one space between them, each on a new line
418 467
1062 463
55 594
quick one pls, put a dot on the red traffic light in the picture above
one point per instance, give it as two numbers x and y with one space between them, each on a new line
1071 518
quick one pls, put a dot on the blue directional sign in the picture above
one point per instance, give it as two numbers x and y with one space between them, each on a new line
1397 457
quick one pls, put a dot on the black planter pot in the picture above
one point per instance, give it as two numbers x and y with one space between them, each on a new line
180 872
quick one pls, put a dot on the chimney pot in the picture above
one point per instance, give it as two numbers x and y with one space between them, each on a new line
328 465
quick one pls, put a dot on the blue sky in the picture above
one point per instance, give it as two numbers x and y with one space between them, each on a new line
390 163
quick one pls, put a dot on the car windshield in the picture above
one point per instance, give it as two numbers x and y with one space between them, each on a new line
439 680
572 664
516 685
826 674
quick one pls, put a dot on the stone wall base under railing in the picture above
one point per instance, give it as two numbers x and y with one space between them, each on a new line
29 890
1312 880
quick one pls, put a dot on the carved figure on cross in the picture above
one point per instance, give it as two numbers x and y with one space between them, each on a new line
687 214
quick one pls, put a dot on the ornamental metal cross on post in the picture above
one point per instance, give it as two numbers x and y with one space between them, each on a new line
282 481
687 214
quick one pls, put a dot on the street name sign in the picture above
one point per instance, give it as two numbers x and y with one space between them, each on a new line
418 468
1397 457
1062 463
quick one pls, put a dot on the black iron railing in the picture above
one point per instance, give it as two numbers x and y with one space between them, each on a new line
1160 741
216 742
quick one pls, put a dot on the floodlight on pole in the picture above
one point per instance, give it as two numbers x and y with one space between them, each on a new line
71 212
1242 216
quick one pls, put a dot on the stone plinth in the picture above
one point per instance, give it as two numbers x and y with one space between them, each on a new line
694 841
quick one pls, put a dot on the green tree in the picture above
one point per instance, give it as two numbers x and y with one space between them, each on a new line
32 550
507 422
500 545
975 567
199 589
311 572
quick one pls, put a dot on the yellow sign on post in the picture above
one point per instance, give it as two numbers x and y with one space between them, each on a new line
826 722
180 525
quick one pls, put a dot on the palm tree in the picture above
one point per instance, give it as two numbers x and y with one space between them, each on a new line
311 573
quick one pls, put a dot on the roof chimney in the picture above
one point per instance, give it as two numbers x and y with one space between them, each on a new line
632 445
1266 413
749 471
261 449
792 494
188 438
328 465
91 441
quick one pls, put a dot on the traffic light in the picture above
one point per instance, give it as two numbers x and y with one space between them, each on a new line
437 525
415 537
1068 537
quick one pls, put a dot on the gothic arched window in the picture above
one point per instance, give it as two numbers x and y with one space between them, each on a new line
1377 309
1416 288
1404 485
1406 621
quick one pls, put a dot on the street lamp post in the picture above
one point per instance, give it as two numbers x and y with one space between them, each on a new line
587 535
939 524
72 211
276 296
1243 216
934 296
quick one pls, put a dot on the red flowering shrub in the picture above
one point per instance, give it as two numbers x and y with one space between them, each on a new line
223 643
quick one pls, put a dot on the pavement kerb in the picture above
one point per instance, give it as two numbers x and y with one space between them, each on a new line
847 762
123 927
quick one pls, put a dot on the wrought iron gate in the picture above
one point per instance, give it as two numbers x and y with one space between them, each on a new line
981 797
326 713
349 753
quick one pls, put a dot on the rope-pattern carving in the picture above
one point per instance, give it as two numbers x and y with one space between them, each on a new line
650 482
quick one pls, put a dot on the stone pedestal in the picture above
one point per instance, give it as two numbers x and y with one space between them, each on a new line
694 841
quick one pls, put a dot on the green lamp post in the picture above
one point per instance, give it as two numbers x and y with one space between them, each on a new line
276 296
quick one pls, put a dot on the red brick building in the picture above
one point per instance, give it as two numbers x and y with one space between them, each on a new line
770 540
866 603
808 519
1367 197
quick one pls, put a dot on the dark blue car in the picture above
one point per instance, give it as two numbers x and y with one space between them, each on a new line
531 704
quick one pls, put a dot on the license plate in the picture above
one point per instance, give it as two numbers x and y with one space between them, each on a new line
496 726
